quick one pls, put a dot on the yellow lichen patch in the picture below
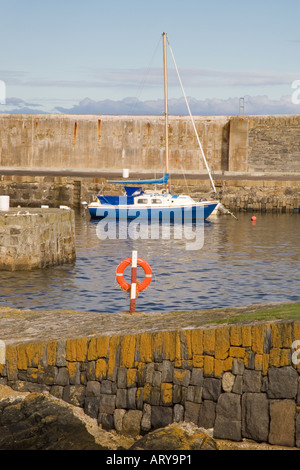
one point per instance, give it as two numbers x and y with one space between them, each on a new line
227 364
218 367
147 392
246 336
166 393
197 342
29 355
81 349
274 357
22 357
258 362
51 353
101 369
183 344
180 375
113 350
169 345
208 366
236 338
144 347
32 373
258 338
131 377
235 351
127 351
209 341
296 335
266 359
98 347
11 362
285 357
198 360
281 335
222 343
71 350
73 370
165 345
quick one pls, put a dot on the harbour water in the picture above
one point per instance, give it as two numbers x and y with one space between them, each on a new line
241 263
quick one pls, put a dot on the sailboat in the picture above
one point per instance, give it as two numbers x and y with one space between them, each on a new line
154 204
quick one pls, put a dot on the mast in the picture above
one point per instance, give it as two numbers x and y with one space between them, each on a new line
166 107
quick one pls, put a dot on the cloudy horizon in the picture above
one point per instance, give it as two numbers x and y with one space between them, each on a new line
252 105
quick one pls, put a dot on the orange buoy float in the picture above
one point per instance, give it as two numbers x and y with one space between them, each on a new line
140 286
135 287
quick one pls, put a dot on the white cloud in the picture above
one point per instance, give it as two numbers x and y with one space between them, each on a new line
253 105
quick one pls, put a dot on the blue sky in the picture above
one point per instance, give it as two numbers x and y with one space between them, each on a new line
106 56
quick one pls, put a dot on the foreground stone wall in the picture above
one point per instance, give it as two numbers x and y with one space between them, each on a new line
241 380
36 238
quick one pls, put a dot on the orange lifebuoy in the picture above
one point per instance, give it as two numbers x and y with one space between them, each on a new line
140 286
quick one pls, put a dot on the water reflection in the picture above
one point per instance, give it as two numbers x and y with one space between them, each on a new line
240 263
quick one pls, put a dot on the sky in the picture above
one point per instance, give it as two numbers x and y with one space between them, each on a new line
106 57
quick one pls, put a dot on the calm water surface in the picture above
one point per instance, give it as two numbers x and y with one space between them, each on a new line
240 263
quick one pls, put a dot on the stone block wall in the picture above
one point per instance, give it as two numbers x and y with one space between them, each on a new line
273 144
240 380
104 142
36 238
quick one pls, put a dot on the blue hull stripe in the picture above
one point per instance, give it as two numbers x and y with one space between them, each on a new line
167 214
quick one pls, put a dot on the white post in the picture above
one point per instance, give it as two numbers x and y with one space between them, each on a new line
133 281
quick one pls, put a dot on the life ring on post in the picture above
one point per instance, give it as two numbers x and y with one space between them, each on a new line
140 286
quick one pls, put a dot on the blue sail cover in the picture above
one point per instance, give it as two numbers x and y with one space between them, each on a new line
130 190
162 180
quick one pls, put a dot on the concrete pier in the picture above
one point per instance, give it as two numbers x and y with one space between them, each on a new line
36 238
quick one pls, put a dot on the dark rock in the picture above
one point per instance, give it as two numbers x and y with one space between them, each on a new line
161 416
192 412
207 414
41 422
255 416
131 423
252 381
282 422
211 389
283 382
176 436
228 417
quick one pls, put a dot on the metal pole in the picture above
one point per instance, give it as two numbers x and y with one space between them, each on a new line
133 281
166 105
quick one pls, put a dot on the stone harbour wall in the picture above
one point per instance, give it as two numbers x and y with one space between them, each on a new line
242 380
236 195
104 142
36 238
